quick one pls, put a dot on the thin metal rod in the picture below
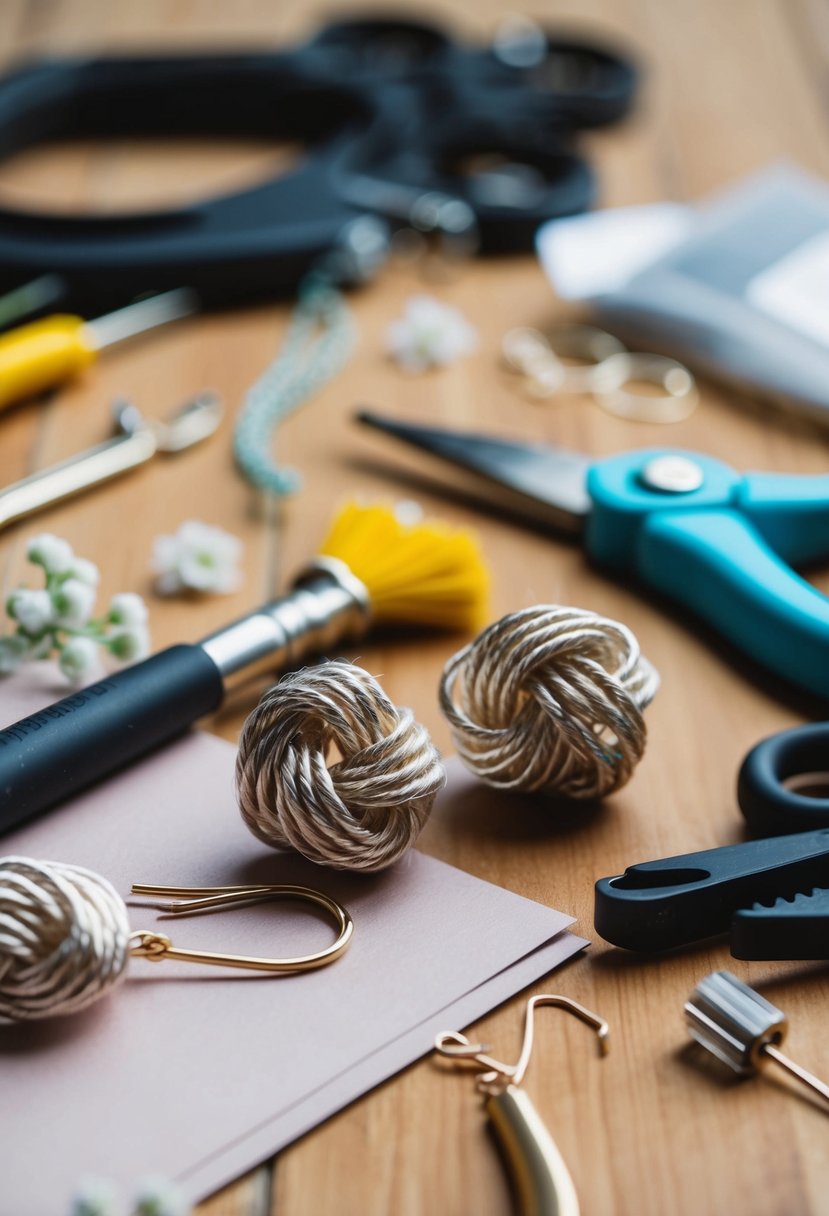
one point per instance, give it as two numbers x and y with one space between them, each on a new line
806 1078
141 316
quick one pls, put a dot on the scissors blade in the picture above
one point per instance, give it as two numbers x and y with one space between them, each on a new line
544 482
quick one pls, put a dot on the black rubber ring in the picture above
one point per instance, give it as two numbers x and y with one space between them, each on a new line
768 806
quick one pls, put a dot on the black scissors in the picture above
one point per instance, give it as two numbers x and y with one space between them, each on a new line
399 123
772 894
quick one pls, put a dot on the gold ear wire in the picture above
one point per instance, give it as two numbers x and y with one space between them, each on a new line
145 943
497 1075
538 1170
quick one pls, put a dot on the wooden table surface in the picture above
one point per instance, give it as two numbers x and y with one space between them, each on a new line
730 85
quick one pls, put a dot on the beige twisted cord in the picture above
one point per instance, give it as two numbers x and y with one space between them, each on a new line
550 698
64 938
361 813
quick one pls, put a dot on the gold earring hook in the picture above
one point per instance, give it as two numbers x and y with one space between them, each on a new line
145 943
497 1075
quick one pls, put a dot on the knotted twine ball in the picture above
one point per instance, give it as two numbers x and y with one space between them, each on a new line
64 938
362 812
551 699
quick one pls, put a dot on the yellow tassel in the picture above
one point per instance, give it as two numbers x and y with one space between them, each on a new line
422 574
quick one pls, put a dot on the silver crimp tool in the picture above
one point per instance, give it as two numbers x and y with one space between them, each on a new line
743 1029
136 441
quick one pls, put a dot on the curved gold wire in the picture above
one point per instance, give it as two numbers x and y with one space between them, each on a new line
497 1075
146 943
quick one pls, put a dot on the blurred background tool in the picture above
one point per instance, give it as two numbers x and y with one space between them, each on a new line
42 354
743 1029
29 298
397 122
137 441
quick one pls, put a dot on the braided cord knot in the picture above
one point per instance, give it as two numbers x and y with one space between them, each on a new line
64 938
362 812
550 698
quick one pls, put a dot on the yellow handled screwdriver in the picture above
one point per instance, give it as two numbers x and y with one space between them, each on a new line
44 353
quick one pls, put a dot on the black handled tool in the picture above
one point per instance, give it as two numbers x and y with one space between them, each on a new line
397 121
747 888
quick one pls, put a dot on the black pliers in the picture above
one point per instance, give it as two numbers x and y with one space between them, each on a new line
772 894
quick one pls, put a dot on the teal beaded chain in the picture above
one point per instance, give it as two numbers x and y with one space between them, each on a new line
319 342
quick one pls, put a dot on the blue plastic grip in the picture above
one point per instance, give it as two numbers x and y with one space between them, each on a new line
790 512
715 563
622 502
722 551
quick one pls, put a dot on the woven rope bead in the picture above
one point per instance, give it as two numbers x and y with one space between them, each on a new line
361 813
64 938
551 699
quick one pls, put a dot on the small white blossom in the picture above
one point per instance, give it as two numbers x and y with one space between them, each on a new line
79 659
127 609
429 334
33 610
73 602
159 1197
57 620
95 1197
128 645
197 558
85 571
50 552
14 649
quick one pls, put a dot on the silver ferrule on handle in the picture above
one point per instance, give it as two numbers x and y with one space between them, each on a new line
327 604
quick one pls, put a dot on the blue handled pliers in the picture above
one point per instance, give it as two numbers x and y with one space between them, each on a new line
686 524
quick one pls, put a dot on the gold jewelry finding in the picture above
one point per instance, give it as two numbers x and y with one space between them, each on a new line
145 943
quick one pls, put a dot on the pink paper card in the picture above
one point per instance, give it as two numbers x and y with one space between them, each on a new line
198 1073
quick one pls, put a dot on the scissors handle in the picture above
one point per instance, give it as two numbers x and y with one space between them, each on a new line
801 755
718 543
717 564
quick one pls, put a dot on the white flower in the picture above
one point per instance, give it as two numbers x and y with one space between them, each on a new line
159 1197
85 571
429 334
13 650
130 644
127 609
79 659
50 552
95 1197
33 610
73 602
197 558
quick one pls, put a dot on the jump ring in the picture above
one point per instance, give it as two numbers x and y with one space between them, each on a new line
678 399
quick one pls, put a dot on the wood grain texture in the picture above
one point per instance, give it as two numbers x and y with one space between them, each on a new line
653 1129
